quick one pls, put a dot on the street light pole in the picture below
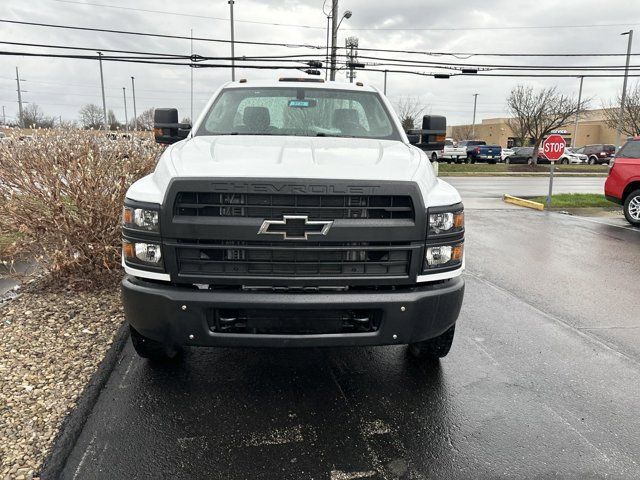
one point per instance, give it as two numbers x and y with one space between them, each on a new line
473 125
135 112
233 50
334 38
575 128
385 83
624 88
104 102
126 119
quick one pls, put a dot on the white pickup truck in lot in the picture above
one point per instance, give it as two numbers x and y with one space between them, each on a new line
294 213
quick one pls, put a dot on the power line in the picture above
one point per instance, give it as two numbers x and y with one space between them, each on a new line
426 29
159 35
297 58
315 47
521 27
190 15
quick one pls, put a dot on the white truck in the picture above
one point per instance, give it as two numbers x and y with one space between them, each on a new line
453 152
295 213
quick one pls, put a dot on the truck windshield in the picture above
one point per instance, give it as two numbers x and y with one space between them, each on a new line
298 111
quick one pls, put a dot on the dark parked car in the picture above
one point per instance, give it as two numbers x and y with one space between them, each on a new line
598 153
520 155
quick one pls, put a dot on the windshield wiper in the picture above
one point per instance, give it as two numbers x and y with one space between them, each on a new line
322 134
246 133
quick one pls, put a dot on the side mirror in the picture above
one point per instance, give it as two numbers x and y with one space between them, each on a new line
434 131
166 128
413 138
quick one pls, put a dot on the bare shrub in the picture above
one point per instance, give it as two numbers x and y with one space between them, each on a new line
62 195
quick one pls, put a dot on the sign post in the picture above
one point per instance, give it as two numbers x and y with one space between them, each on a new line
553 148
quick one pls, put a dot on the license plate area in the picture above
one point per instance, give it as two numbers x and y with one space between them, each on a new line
252 321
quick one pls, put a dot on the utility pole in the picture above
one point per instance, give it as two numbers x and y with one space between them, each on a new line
334 37
135 112
233 51
385 83
575 128
473 125
104 102
20 118
326 63
191 114
126 120
624 87
4 116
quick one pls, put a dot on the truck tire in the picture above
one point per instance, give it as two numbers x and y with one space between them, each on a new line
433 348
152 349
434 157
632 208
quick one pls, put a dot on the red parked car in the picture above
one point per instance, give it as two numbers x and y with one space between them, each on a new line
623 184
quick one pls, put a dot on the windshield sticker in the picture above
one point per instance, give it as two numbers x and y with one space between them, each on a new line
300 103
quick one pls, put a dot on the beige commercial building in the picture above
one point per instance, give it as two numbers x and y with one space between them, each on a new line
592 128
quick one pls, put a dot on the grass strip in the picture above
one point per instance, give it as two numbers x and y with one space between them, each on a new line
575 200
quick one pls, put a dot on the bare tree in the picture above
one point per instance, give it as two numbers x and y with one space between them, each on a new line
91 116
145 120
463 132
409 109
539 113
630 114
34 117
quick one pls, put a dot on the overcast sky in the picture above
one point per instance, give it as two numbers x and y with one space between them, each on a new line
62 86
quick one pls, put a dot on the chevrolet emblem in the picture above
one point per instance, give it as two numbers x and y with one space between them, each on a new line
295 227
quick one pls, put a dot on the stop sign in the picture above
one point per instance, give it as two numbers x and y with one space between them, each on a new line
553 147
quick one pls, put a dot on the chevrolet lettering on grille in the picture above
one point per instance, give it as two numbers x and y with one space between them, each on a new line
295 227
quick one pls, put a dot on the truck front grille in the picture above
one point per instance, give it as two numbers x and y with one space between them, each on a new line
274 206
293 259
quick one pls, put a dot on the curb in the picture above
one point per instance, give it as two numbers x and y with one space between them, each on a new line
72 425
522 202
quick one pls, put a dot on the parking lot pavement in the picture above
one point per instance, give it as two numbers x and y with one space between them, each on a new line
542 381
486 192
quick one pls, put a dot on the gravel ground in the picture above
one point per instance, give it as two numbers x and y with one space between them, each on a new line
51 344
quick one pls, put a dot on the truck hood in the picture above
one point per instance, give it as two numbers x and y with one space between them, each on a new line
294 157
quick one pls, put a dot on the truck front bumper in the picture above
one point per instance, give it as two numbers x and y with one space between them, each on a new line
183 316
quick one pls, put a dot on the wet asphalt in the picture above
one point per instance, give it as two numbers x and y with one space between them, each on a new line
543 381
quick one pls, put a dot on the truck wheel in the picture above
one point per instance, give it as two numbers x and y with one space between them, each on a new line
434 157
152 349
433 348
632 208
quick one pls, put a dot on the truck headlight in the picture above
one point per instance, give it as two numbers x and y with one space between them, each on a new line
446 223
142 253
140 219
441 256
